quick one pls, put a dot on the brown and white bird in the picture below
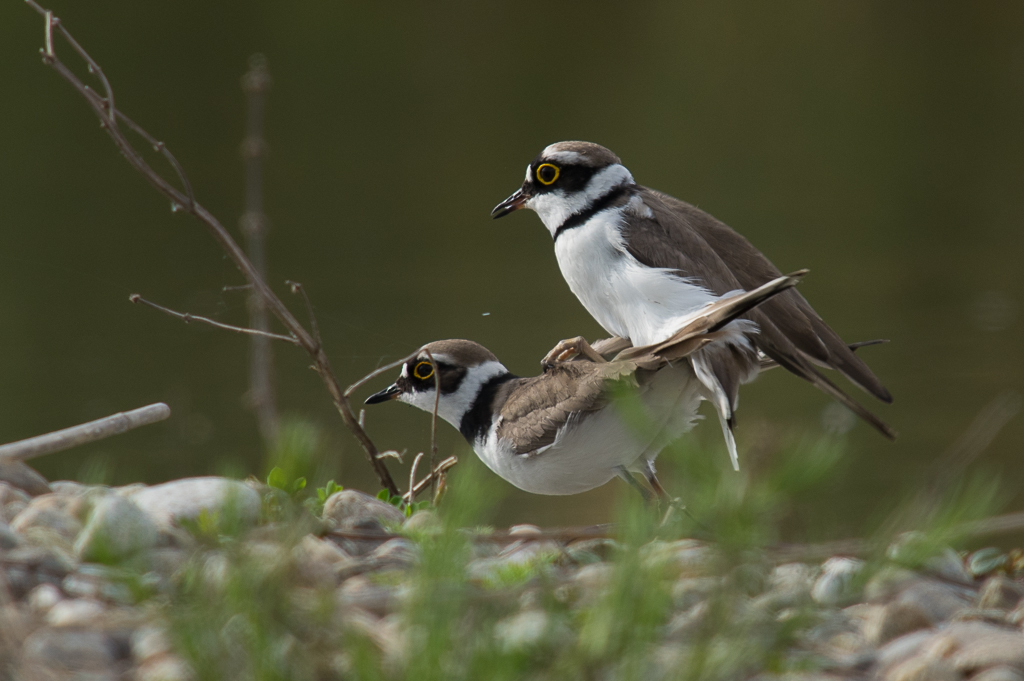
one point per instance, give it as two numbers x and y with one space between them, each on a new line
561 432
640 261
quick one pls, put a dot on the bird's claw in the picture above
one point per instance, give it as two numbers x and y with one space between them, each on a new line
568 350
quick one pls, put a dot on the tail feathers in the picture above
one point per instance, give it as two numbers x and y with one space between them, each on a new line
722 402
769 363
805 369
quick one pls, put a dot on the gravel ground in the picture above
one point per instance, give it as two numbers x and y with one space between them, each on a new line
70 609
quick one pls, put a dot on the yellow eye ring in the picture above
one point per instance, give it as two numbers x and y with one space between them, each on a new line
423 370
554 177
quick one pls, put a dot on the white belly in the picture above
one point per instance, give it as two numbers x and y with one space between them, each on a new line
588 454
630 300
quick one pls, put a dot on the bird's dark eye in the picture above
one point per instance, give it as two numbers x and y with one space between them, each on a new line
423 370
547 173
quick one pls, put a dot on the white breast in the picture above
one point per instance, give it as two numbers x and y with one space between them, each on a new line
588 453
629 299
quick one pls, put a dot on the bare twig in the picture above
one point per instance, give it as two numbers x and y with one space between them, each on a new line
99 429
255 84
375 373
296 287
184 199
188 317
436 474
433 421
412 473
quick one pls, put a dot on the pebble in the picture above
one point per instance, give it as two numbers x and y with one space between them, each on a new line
44 597
117 528
47 516
71 650
318 561
164 668
425 521
999 674
1000 592
12 501
894 620
360 592
523 631
996 647
923 669
171 502
20 475
837 583
524 530
351 510
938 601
984 561
8 537
395 554
77 612
150 641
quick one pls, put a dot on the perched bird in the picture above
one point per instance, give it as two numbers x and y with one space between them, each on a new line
640 261
560 432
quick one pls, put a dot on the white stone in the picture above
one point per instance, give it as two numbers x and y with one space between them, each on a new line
78 612
116 529
835 586
173 501
44 597
148 642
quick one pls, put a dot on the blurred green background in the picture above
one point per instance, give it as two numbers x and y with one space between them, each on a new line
879 144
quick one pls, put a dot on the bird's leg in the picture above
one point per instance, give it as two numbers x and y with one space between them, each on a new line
671 504
571 348
628 477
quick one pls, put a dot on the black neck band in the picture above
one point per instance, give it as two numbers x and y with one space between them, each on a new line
477 421
603 203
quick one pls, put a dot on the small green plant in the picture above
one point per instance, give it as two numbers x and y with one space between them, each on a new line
408 508
278 479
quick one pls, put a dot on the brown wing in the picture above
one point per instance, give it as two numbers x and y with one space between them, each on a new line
686 239
536 408
790 313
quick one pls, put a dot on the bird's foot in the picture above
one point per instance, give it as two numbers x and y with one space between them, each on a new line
570 349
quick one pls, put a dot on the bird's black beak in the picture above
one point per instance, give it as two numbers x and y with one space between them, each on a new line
511 204
389 393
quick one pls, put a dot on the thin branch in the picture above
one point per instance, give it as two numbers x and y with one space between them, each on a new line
296 287
188 317
184 199
433 420
255 84
375 373
437 473
412 473
92 431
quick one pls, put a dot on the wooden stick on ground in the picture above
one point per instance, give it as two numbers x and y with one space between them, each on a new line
92 431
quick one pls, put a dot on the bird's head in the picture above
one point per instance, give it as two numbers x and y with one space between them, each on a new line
566 178
459 367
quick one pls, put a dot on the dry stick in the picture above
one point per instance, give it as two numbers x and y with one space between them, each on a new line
255 84
109 116
296 287
433 423
99 429
438 471
189 317
412 474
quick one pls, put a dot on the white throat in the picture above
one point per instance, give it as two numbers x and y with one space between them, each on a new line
555 207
